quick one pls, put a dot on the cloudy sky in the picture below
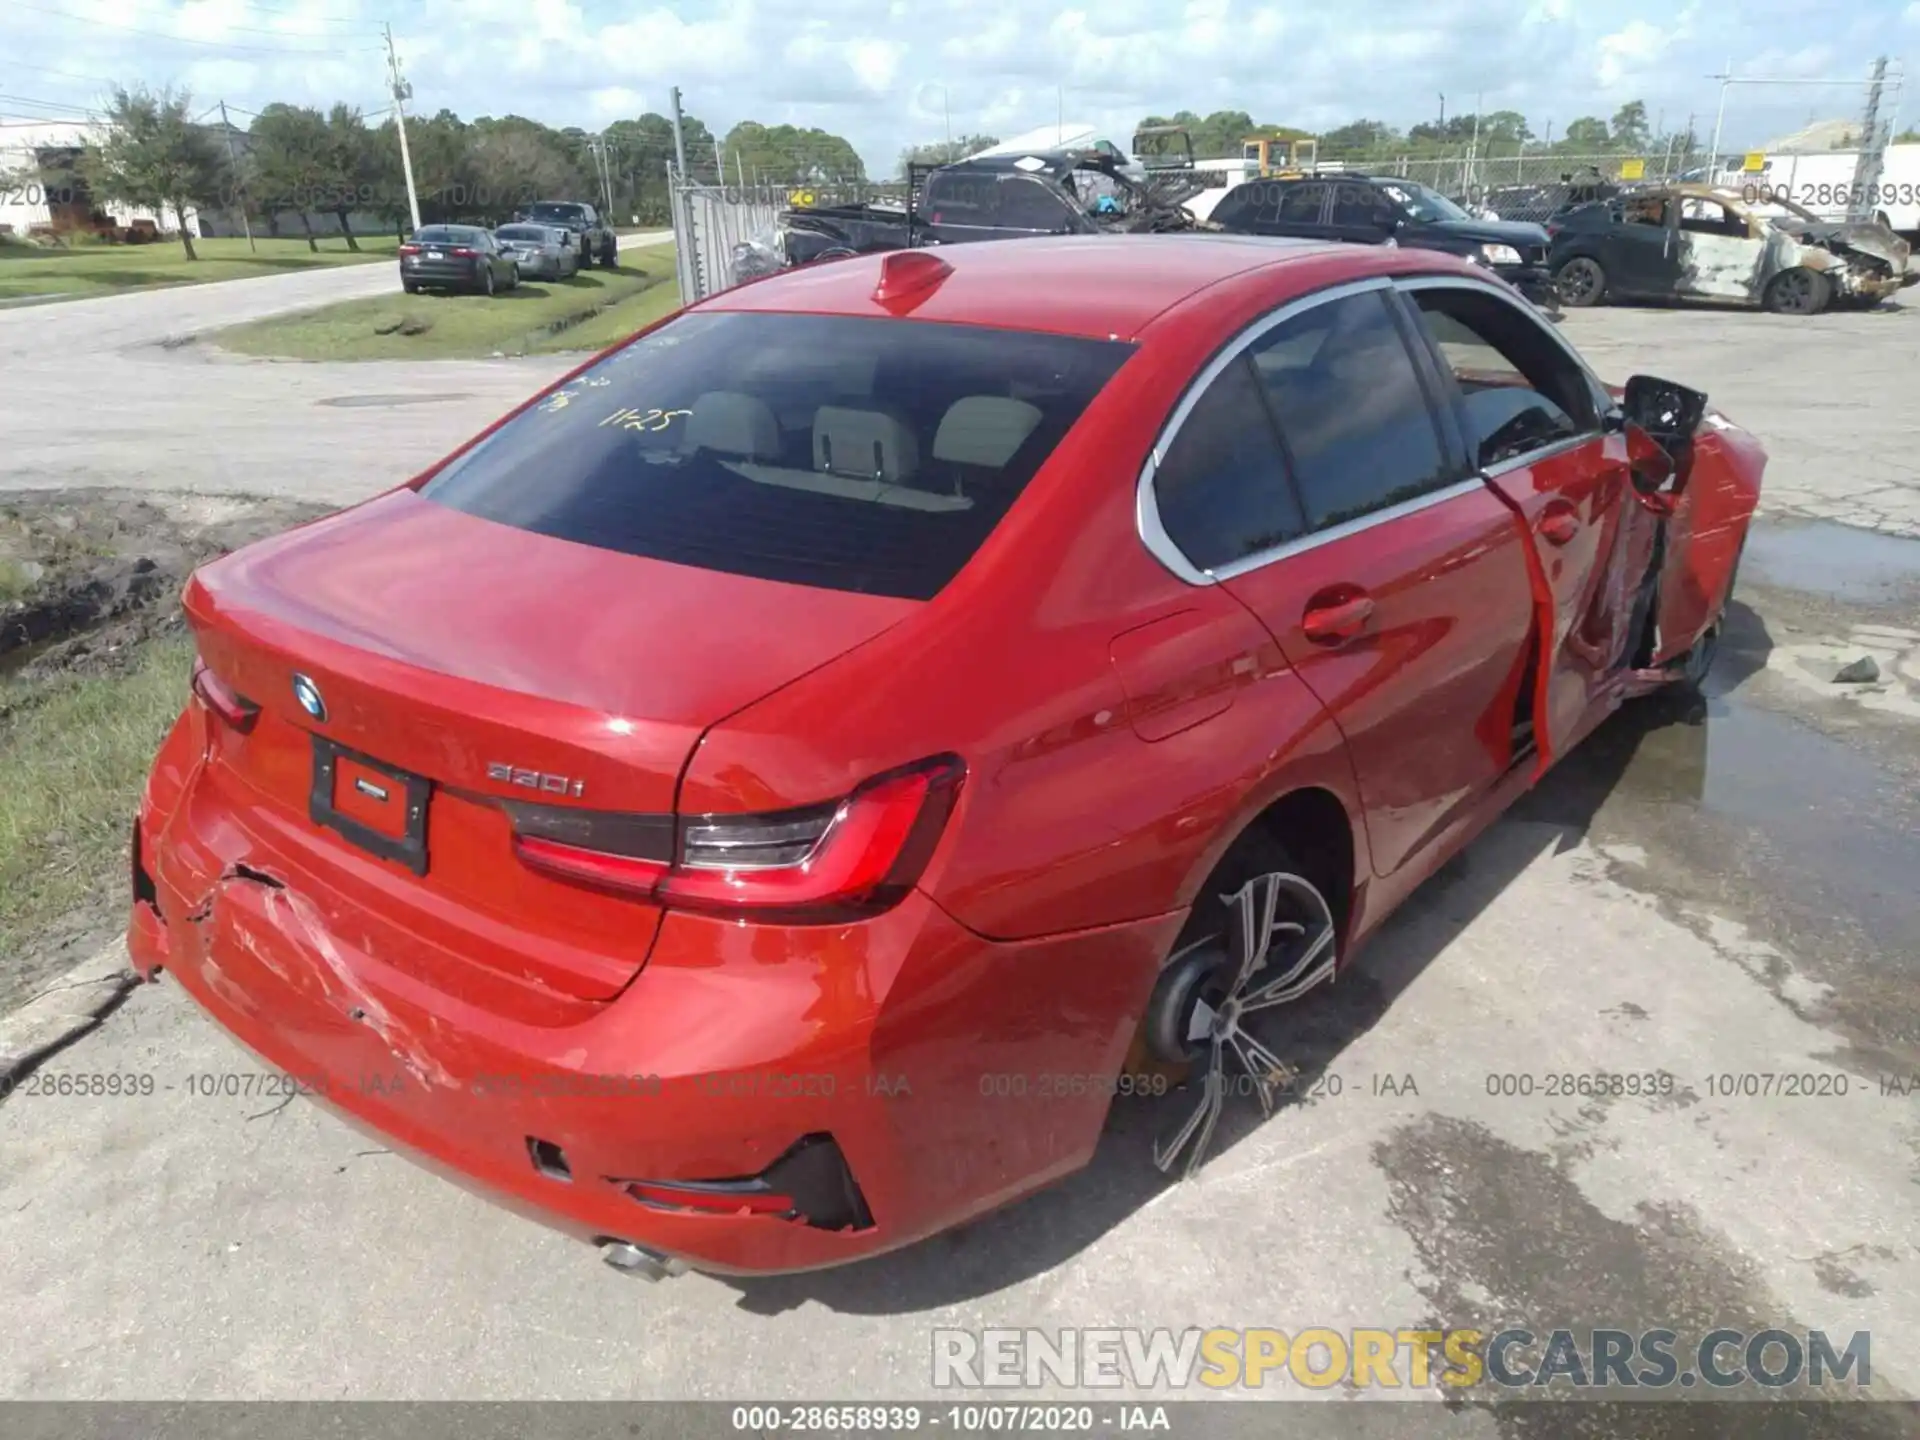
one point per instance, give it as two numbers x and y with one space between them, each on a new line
886 73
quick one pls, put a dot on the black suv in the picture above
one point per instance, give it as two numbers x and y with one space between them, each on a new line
1373 209
593 234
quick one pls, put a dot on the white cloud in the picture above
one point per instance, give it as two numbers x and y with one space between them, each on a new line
886 74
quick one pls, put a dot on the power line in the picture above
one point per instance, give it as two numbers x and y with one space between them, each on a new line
186 40
47 104
45 70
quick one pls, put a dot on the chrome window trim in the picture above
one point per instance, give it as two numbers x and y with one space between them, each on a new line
1315 538
1153 533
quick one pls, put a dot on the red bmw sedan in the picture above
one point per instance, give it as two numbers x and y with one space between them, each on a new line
761 802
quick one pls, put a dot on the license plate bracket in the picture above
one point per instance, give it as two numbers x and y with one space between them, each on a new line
408 848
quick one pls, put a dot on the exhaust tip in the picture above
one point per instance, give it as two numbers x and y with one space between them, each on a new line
649 1265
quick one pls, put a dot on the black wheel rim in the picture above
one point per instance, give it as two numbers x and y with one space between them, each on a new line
1579 282
1796 292
1280 944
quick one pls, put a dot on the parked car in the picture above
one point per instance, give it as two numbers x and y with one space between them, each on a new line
1373 209
455 257
592 234
542 252
504 815
998 195
1695 242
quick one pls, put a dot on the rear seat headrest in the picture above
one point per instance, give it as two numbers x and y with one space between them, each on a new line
985 430
734 423
868 444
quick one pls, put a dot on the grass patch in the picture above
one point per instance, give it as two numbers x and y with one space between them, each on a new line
538 316
619 321
29 270
75 750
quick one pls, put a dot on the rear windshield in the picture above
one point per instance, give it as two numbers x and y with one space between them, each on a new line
557 212
524 232
872 455
445 235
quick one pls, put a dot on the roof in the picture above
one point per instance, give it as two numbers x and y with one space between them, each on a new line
1093 285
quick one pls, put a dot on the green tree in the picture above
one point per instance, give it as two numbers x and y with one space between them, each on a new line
292 162
1907 136
1358 138
152 156
789 155
940 152
1587 136
1630 129
515 162
1507 127
352 166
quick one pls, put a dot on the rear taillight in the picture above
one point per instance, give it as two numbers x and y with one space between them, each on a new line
222 699
464 253
409 249
848 857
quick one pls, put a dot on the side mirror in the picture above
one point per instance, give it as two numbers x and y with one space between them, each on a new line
1666 410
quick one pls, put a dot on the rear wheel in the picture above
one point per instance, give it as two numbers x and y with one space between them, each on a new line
1581 281
1261 937
412 287
1798 292
486 281
610 254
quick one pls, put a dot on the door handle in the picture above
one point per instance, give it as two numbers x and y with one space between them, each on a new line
1337 622
1557 527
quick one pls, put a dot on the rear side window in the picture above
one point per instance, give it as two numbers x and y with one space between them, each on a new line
1351 408
1222 492
873 455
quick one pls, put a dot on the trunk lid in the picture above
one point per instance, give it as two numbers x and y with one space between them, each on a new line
497 665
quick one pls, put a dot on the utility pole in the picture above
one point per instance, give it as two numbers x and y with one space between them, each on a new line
679 137
1725 78
946 113
1873 146
402 91
246 221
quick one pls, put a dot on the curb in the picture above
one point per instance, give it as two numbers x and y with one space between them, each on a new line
65 1010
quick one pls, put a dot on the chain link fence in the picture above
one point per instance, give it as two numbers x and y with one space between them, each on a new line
723 233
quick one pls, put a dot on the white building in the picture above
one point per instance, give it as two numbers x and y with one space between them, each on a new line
50 192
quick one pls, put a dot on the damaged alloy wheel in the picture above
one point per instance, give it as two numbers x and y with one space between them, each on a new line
1279 944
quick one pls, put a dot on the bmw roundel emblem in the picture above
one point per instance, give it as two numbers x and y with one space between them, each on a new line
308 694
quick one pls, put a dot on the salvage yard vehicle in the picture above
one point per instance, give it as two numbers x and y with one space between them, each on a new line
456 257
1001 196
1694 242
758 804
542 252
1373 209
592 234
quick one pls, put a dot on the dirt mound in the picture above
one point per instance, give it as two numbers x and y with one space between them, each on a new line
87 575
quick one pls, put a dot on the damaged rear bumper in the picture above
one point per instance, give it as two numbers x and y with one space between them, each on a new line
735 1050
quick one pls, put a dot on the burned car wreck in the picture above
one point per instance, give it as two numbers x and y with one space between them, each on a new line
1089 191
1699 242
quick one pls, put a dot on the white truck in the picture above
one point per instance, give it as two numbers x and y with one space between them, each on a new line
1823 182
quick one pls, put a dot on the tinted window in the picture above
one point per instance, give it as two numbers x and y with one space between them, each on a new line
852 454
1361 205
1355 420
1026 204
538 233
960 197
1223 493
1246 203
443 235
560 213
1301 204
1521 390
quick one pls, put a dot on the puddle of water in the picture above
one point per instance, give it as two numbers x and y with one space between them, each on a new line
1822 558
1823 819
347 402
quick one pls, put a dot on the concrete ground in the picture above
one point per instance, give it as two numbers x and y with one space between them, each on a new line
108 391
1711 893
